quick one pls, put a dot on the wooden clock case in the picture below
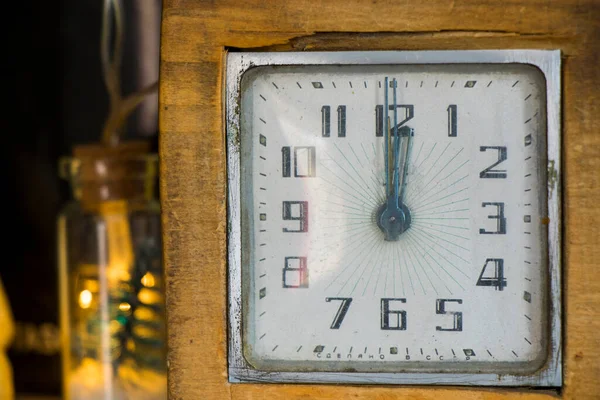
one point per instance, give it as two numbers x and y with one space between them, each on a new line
197 34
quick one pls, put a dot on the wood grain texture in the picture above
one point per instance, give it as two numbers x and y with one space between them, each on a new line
194 38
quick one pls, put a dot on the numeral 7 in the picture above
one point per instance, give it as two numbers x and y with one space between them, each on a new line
341 313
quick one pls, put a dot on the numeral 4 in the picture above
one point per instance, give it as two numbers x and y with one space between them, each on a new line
496 280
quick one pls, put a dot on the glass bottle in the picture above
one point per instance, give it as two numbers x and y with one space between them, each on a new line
7 331
110 276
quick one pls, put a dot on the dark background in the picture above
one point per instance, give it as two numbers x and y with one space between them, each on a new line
56 99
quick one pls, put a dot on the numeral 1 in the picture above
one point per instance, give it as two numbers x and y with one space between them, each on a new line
326 121
341 110
452 120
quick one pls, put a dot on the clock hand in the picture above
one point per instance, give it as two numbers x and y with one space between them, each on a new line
386 130
396 146
393 217
407 134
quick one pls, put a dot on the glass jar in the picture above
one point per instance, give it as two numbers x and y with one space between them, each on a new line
6 336
110 276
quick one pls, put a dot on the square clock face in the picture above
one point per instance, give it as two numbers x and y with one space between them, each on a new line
394 217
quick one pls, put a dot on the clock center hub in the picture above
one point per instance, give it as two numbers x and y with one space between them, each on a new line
393 220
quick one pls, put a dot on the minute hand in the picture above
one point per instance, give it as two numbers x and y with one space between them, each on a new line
394 216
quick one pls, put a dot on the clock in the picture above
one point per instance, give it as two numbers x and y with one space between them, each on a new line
393 217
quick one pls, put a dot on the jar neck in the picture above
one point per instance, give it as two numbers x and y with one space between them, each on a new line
100 174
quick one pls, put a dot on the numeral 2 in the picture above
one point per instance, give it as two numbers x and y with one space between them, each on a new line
489 172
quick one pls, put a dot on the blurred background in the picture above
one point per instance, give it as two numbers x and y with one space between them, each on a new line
58 100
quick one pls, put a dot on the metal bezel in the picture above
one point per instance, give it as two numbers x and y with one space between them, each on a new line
547 61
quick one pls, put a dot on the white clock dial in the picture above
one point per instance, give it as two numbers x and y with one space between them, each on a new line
398 233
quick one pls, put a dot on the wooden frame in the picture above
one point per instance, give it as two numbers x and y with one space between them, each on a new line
195 37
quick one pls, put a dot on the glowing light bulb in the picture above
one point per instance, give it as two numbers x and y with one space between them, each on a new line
124 306
85 299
